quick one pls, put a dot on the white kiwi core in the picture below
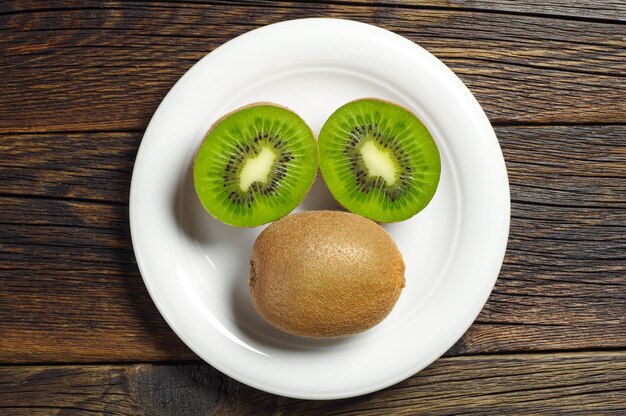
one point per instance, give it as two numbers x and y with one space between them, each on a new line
257 169
379 162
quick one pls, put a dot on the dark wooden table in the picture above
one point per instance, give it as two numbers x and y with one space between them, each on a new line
80 80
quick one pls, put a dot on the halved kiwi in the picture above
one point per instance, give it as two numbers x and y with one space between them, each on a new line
379 160
255 165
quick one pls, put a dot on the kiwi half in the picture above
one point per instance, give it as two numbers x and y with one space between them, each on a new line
379 160
255 165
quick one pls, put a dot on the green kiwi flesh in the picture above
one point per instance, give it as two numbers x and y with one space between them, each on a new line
379 160
255 165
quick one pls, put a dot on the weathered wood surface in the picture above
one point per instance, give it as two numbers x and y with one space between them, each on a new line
70 290
80 81
534 384
86 66
611 10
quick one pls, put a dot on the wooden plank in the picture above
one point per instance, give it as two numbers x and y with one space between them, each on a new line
606 10
94 166
84 245
583 383
568 165
70 290
611 10
90 66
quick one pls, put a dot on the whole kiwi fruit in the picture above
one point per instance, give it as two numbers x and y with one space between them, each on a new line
325 274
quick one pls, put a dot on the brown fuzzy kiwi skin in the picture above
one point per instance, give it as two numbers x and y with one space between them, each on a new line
325 274
255 104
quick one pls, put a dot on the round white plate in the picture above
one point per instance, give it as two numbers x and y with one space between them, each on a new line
196 269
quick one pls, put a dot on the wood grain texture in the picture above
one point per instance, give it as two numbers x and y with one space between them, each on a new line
97 167
612 10
70 290
85 66
535 384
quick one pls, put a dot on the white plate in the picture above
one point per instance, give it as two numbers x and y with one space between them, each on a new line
196 269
